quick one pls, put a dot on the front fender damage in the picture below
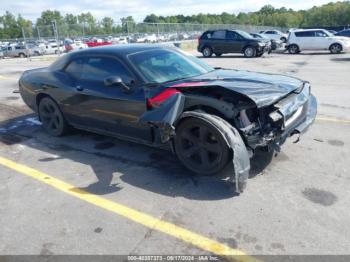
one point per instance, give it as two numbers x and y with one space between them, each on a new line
171 111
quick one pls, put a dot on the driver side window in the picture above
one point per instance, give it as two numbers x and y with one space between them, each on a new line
320 34
99 68
232 35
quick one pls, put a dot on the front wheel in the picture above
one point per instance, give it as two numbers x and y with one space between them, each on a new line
335 48
51 117
249 52
200 146
293 49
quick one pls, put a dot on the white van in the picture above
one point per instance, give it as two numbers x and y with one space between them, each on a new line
316 39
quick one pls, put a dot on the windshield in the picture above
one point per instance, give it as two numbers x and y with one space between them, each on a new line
164 65
244 34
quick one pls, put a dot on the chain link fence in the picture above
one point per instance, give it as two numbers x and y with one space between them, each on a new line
133 32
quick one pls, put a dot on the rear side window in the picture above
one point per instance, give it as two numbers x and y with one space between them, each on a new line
221 34
99 68
305 34
271 32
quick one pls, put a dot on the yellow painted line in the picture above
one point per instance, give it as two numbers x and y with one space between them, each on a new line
335 120
6 77
139 217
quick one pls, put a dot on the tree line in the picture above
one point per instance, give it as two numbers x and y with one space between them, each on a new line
331 14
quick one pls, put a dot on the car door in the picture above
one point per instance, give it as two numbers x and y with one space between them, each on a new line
217 41
305 39
322 40
9 51
234 42
108 108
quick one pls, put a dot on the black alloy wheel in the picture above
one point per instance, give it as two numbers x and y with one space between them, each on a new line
51 117
201 147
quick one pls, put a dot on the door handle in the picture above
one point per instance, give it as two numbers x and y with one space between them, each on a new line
79 88
44 86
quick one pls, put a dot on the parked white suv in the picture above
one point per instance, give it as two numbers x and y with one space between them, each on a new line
275 35
316 39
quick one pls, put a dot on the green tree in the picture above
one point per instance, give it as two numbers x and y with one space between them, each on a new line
107 24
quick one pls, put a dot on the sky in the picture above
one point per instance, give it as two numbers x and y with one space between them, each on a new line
140 8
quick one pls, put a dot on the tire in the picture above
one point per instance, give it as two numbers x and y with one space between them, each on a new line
21 55
283 39
200 146
51 117
207 52
293 49
249 52
218 54
335 48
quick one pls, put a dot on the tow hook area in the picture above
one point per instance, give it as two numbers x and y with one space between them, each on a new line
296 135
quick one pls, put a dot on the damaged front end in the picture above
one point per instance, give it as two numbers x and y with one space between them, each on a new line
244 125
270 126
164 118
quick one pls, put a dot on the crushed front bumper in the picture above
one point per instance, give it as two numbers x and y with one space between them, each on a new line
301 125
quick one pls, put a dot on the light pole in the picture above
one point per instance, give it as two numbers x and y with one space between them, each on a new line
54 26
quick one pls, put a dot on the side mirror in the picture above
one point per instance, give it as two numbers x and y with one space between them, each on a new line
117 81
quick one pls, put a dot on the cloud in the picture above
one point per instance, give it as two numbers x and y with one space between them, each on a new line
139 9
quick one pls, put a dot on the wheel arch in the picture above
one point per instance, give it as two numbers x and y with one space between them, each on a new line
39 97
233 139
336 43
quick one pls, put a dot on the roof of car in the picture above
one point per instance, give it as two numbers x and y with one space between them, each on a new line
121 50
306 30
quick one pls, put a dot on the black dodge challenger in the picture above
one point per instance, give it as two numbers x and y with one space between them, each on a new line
160 95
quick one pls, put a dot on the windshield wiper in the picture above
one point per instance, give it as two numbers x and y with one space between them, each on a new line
174 80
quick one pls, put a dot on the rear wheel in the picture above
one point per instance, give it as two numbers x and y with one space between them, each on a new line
249 51
52 117
335 48
22 55
200 146
207 52
293 49
283 39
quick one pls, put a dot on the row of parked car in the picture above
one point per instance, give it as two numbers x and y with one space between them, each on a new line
220 42
36 48
21 49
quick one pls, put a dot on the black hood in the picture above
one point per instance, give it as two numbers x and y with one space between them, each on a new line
264 89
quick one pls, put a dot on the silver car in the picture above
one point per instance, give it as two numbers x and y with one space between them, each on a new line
22 51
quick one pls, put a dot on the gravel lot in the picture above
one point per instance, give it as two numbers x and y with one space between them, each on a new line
296 202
